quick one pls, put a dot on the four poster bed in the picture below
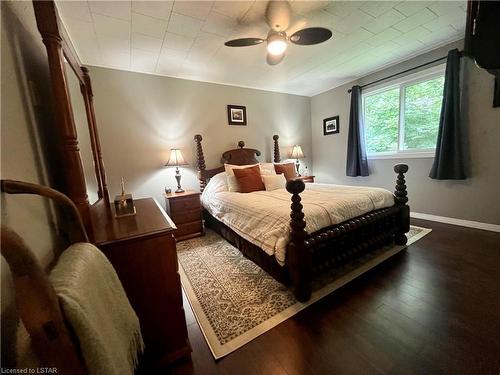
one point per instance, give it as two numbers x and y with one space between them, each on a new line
306 255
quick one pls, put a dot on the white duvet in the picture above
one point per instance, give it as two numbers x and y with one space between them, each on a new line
263 217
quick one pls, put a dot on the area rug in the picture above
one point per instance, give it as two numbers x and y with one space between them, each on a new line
234 300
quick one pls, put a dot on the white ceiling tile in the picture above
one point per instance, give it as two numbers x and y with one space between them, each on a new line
442 8
418 34
116 60
456 17
146 43
110 45
143 60
444 34
219 24
112 27
234 9
196 9
353 21
184 25
208 44
343 8
148 25
78 10
410 7
384 36
306 7
178 42
157 9
377 8
417 19
115 9
384 21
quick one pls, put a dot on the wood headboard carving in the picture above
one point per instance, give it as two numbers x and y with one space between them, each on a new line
237 156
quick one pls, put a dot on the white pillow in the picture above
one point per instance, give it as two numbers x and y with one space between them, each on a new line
232 182
267 169
274 182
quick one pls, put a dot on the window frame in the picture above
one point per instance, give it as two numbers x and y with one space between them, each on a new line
402 83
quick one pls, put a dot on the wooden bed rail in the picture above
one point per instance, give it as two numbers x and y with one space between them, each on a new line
299 253
36 301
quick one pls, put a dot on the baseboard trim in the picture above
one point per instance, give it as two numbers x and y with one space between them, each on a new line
453 221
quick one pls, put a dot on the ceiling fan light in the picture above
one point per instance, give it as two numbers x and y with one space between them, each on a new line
276 43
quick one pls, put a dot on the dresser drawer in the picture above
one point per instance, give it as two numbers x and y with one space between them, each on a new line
187 229
182 217
188 203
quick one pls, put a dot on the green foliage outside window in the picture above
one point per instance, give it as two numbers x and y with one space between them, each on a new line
422 107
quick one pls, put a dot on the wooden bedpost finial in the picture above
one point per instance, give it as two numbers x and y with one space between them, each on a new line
276 148
400 199
400 193
201 162
241 144
298 254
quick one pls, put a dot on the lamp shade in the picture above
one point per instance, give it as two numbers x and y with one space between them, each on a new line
297 152
176 158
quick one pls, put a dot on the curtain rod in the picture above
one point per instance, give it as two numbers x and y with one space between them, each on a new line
461 53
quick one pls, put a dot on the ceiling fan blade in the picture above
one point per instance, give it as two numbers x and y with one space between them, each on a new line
244 42
274 59
311 35
278 14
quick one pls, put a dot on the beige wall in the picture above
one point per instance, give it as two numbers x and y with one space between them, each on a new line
26 112
473 199
140 117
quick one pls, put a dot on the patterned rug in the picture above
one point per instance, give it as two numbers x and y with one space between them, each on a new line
234 300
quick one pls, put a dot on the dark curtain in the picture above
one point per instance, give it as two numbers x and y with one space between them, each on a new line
357 164
449 159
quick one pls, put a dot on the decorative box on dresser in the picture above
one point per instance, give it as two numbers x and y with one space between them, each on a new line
306 179
185 211
142 249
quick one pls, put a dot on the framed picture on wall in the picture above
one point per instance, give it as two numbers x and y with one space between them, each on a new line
331 125
236 114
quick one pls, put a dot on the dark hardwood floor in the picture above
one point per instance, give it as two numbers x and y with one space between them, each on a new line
433 309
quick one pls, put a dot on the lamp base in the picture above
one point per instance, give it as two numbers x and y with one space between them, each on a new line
179 190
178 178
297 165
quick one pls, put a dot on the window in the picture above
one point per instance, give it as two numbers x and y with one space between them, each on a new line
402 117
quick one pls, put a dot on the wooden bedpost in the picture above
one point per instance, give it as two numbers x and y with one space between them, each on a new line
401 198
276 148
200 162
298 253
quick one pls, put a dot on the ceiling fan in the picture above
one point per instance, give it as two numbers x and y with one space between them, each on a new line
278 16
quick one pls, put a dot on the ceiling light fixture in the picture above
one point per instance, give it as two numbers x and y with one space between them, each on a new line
276 43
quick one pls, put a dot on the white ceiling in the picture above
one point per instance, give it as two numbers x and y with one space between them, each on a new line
185 39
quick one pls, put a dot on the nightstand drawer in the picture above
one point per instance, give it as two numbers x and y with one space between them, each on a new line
182 217
188 228
188 203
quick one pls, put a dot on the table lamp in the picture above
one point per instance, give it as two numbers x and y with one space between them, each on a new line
297 154
176 160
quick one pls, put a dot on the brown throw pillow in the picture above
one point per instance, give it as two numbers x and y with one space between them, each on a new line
287 169
249 179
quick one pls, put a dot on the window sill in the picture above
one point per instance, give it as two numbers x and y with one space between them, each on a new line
402 155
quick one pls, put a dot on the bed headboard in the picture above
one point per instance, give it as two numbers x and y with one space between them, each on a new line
237 156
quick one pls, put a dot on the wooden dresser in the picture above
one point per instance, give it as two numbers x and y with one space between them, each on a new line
142 249
185 211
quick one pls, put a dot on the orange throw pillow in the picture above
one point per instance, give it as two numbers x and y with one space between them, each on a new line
249 179
287 169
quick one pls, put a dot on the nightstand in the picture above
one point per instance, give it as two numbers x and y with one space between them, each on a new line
306 179
185 211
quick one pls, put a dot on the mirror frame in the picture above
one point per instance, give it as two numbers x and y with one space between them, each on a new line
58 49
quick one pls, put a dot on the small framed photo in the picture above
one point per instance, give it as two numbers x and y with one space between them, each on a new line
331 125
236 114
